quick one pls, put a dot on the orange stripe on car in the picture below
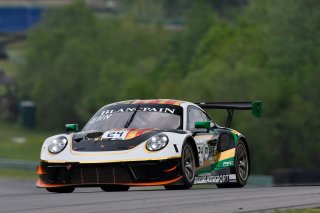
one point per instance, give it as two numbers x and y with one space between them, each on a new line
154 102
138 102
162 101
40 170
132 134
142 131
171 169
42 184
225 155
178 103
158 101
153 183
171 102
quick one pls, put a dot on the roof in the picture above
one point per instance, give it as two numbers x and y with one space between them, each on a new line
158 101
151 101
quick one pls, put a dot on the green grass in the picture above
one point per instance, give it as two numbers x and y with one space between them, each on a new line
18 174
314 210
19 143
11 136
16 142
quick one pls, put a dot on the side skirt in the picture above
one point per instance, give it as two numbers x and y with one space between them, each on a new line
225 175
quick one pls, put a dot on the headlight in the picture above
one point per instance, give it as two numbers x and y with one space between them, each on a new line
157 142
57 144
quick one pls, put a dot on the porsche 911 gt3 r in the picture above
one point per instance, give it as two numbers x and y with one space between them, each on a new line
146 143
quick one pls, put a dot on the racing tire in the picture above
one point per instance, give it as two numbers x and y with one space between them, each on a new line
242 167
114 188
187 168
66 189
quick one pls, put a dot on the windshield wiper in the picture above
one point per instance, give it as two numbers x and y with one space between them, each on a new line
132 117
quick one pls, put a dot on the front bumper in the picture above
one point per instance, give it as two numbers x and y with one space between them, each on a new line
143 173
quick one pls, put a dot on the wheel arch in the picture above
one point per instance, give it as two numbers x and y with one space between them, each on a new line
243 139
194 148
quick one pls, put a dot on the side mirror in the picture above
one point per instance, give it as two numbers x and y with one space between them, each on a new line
71 128
202 125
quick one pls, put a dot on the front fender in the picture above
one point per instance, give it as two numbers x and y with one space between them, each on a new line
44 148
191 140
138 153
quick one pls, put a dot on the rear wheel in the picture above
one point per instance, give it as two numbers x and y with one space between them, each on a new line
114 188
187 167
242 167
66 189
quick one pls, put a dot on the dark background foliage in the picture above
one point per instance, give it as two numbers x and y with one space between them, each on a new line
264 50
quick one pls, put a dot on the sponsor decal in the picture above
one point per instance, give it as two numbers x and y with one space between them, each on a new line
204 179
227 163
144 109
206 149
235 132
115 135
232 178
107 113
212 179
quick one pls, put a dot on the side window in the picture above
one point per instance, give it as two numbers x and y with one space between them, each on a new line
195 115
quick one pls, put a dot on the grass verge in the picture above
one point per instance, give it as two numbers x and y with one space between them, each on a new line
311 210
19 143
17 174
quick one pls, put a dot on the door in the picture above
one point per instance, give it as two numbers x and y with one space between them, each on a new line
206 141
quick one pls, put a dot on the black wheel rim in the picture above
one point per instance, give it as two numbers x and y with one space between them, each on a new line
242 160
188 163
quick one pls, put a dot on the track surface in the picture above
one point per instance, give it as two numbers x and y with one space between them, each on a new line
22 196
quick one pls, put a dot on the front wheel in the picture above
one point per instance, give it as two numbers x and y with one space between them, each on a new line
65 189
114 188
187 168
242 167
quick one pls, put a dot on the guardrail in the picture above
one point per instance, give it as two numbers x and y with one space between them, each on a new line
18 164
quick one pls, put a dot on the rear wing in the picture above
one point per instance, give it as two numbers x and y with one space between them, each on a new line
255 107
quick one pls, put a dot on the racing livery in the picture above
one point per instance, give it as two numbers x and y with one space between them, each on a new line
146 143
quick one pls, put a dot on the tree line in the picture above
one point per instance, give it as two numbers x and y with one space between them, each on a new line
264 50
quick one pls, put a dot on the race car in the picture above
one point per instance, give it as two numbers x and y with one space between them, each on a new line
170 143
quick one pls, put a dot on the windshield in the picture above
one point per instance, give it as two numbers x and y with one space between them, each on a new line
157 116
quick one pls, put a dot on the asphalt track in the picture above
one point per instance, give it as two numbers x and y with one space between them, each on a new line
22 196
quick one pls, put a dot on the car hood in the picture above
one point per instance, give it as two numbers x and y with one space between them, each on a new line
111 140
